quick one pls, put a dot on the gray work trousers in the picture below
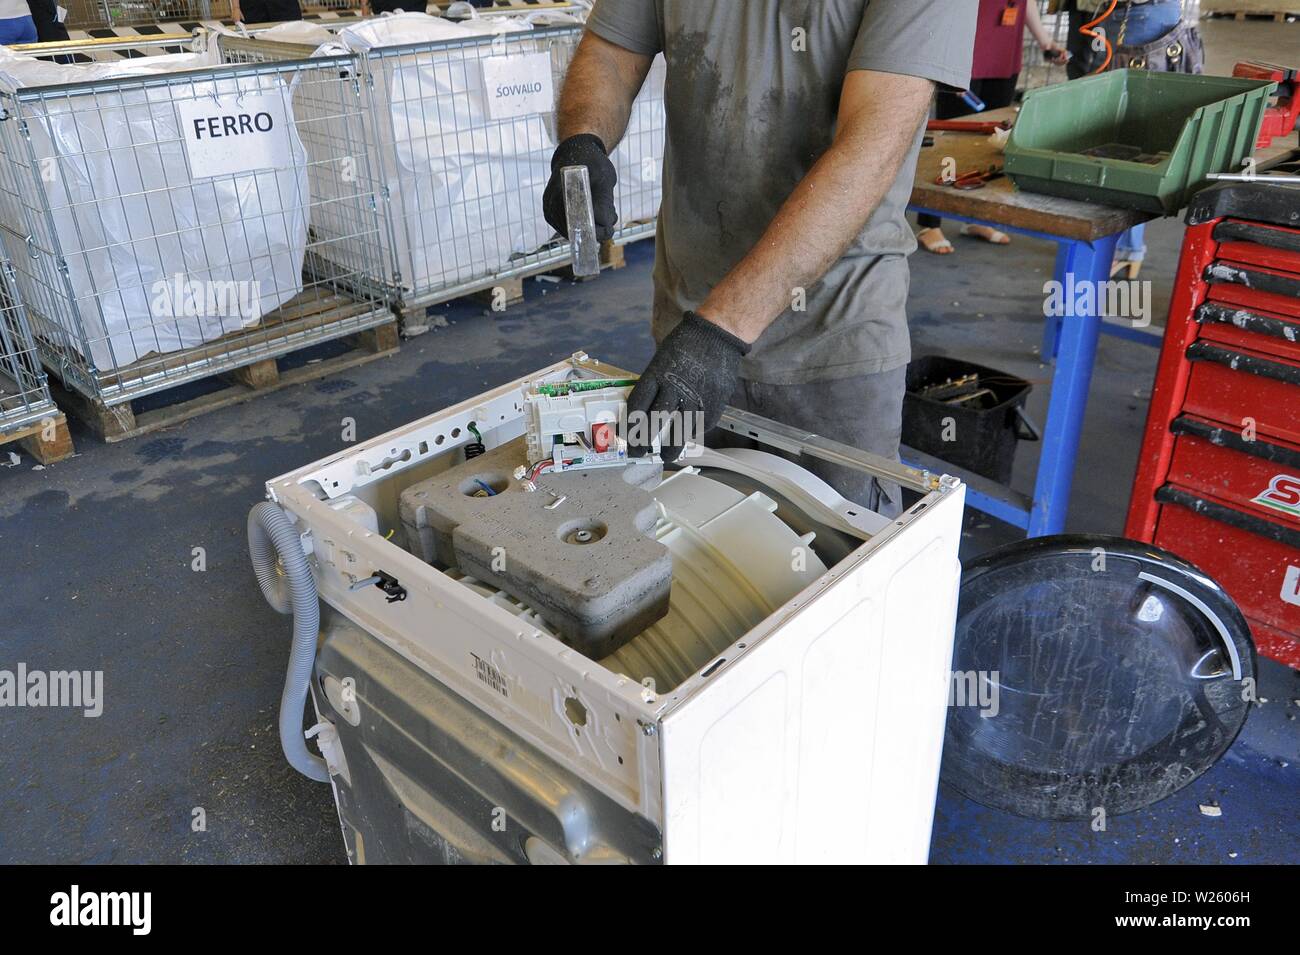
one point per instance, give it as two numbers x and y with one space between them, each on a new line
865 411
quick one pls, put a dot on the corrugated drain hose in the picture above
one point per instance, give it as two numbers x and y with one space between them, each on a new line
288 586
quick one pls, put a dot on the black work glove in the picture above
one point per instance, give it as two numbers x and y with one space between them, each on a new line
693 372
582 150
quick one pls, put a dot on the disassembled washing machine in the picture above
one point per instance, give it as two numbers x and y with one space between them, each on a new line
535 650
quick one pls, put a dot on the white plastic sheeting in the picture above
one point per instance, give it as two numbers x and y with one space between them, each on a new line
147 245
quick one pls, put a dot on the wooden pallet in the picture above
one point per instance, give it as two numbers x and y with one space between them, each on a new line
310 311
47 440
1275 10
118 422
499 294
1264 15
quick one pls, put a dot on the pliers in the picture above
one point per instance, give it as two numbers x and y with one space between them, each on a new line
973 179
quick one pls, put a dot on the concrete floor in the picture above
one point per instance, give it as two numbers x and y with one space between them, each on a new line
98 575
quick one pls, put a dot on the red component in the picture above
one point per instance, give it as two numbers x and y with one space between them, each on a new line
965 126
602 437
1280 119
1218 478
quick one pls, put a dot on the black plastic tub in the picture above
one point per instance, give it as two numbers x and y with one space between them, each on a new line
979 435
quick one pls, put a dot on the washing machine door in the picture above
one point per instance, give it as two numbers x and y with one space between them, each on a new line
1091 674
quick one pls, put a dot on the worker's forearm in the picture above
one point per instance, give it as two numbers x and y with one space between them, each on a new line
825 213
601 84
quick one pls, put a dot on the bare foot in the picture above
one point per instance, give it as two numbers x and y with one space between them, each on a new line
933 240
987 233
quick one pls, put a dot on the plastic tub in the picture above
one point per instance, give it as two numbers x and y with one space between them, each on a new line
1135 139
980 436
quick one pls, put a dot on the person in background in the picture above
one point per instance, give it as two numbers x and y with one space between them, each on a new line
1142 35
16 24
46 15
263 11
999 42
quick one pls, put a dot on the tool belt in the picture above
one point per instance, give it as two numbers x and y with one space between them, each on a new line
1178 51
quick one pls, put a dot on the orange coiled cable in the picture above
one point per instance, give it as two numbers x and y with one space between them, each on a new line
1087 30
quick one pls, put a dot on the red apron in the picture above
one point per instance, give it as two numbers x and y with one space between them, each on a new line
999 39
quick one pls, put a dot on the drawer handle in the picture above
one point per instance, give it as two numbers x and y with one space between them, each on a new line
1231 439
1230 516
1249 321
1254 279
1239 361
1232 231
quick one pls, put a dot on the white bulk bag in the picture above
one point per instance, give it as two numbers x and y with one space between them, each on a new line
147 245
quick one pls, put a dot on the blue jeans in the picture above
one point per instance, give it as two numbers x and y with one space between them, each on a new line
17 30
1146 21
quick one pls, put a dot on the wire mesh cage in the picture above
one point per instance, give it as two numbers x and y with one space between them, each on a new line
24 395
166 225
91 14
462 183
334 6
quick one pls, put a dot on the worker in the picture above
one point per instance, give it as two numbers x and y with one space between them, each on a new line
16 24
780 278
1132 34
265 11
1137 34
48 18
999 44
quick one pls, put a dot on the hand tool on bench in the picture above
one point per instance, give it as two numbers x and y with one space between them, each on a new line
972 179
986 127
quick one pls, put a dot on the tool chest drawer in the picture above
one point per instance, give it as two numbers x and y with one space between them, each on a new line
1256 329
1256 562
1255 278
1238 386
1250 243
1259 476
1243 297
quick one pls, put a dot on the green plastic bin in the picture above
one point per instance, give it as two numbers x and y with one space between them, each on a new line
1135 139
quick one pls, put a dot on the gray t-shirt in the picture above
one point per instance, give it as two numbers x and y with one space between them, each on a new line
753 88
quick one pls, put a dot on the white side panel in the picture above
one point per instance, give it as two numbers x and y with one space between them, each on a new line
822 742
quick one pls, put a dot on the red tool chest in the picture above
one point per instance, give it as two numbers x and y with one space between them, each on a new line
1218 479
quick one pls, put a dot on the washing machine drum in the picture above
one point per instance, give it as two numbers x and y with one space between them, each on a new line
1091 674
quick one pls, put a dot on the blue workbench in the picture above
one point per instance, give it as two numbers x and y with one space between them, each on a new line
1085 235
